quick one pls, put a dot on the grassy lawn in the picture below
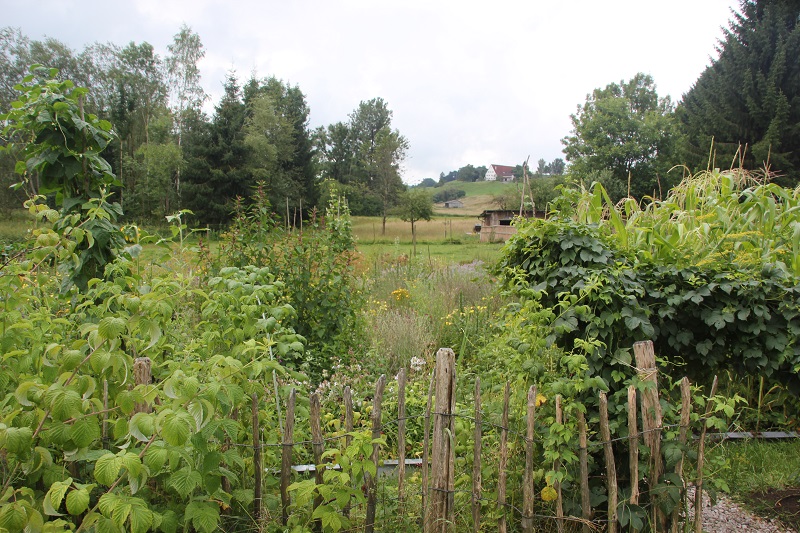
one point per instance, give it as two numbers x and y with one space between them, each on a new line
442 240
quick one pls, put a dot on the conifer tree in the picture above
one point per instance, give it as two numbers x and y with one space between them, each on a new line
750 95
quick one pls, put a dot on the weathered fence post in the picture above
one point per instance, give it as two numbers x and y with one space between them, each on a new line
698 486
142 376
372 481
611 469
286 457
633 444
527 488
441 514
686 411
426 457
257 469
556 468
476 461
317 447
501 469
348 427
651 421
586 502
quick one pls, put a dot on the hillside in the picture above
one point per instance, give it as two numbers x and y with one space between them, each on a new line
479 197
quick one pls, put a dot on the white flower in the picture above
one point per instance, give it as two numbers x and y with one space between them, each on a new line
417 363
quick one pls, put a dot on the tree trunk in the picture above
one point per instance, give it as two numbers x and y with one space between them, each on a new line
414 237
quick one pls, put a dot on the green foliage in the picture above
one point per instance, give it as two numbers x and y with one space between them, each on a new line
154 456
61 145
415 205
317 262
342 487
626 130
707 276
449 194
61 155
363 156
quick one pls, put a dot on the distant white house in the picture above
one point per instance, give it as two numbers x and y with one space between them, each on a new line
500 173
454 204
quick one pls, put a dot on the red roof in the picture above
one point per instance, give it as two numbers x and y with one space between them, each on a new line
503 171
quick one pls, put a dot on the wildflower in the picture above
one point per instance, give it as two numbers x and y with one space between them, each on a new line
401 294
540 399
417 363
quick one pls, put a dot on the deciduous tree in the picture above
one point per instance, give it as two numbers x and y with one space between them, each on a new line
183 75
624 131
415 205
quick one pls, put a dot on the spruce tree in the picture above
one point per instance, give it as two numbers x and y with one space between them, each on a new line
750 95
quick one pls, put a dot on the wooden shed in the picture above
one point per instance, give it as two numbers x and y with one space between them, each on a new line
496 225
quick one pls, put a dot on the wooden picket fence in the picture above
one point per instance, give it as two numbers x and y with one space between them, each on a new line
438 458
438 484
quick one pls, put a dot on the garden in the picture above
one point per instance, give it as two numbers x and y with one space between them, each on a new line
263 379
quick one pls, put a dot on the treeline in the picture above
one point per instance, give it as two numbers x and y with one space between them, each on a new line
743 111
169 155
470 173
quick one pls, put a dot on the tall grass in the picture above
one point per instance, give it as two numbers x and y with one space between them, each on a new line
412 305
757 466
14 225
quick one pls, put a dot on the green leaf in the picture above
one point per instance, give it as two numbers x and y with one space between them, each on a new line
106 469
204 516
21 394
126 403
244 496
176 428
141 427
155 458
111 327
132 463
18 440
77 501
52 500
169 522
141 518
84 432
65 404
184 481
13 517
211 462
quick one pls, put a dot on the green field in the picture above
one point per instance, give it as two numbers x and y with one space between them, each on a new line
377 256
438 229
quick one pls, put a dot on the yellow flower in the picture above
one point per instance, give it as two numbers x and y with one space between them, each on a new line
401 294
540 399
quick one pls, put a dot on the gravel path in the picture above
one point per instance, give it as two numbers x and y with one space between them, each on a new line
727 517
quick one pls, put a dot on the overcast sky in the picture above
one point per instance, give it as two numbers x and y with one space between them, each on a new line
469 82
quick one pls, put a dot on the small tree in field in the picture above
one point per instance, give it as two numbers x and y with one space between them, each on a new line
415 204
